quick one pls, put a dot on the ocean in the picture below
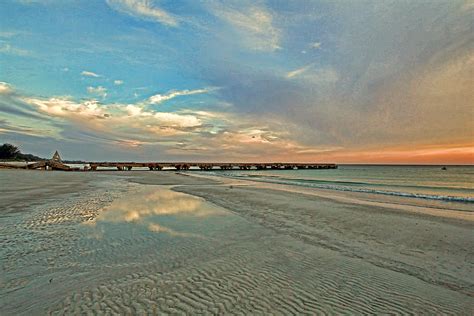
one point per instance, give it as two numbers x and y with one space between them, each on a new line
455 184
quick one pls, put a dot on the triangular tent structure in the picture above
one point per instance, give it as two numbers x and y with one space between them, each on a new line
56 157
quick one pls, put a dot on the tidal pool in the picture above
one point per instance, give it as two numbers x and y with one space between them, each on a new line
63 248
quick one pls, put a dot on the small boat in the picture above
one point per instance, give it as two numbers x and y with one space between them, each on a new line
444 168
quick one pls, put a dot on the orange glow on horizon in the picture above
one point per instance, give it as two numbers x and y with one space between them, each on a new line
434 155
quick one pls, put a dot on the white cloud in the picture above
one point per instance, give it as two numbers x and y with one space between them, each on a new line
159 98
134 110
316 45
299 71
100 91
11 50
143 9
63 107
180 132
177 120
89 74
254 24
118 82
130 115
5 88
315 75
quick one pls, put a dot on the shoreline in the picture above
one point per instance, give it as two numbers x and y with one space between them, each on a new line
462 211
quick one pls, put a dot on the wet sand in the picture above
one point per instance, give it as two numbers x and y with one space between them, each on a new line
163 243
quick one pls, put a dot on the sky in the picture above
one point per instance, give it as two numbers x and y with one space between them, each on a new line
206 80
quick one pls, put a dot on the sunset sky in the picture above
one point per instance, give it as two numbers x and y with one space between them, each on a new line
324 81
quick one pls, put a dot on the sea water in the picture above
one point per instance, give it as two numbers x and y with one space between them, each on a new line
455 184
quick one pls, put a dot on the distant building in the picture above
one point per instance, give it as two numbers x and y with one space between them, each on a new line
56 157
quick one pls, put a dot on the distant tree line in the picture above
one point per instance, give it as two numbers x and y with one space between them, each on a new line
12 152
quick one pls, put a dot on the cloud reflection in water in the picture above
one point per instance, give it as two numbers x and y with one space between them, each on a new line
157 228
144 206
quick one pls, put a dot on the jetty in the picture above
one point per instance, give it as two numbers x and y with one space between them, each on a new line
56 163
157 166
209 165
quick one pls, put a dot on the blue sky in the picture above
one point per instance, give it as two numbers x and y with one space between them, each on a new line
346 81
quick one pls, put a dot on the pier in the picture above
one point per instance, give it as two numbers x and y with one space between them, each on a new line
157 166
56 163
208 166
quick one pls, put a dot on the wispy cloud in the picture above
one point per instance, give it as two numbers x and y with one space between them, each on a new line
99 91
314 75
160 98
89 74
299 71
6 127
10 34
6 48
27 2
253 23
144 9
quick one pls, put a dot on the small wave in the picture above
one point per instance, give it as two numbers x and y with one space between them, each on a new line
348 183
447 198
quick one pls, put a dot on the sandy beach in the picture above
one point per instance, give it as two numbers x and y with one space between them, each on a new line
168 243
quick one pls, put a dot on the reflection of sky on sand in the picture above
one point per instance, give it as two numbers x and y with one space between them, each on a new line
151 207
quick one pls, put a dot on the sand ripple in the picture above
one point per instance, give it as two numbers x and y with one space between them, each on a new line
57 258
239 282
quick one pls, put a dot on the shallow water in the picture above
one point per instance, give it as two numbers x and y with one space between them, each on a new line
61 248
456 184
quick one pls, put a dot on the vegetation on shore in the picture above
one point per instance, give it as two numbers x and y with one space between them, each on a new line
13 153
9 152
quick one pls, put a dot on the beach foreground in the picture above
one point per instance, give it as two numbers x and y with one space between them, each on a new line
141 242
